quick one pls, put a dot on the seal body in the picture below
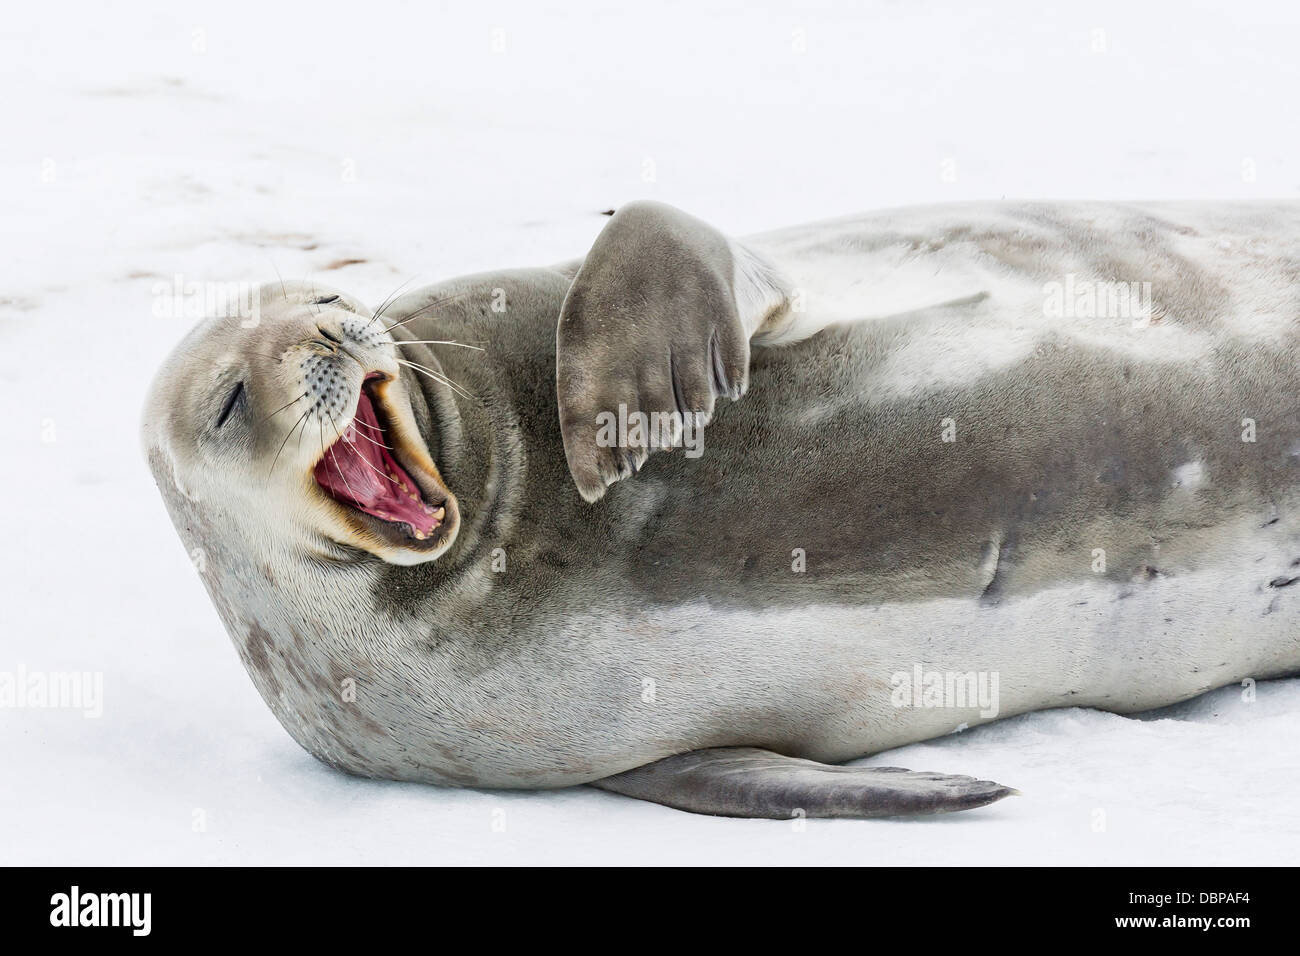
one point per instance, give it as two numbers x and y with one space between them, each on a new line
945 462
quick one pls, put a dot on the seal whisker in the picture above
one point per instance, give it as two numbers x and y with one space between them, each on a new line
311 278
389 300
425 308
301 431
437 377
477 348
369 439
282 408
283 291
302 419
388 478
354 423
362 457
334 460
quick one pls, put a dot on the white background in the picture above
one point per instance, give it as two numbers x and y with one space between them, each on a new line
228 140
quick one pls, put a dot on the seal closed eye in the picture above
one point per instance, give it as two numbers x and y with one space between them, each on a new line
226 409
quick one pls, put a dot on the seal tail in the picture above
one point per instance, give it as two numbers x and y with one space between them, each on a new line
748 782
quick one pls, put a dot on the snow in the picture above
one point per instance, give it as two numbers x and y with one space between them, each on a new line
230 141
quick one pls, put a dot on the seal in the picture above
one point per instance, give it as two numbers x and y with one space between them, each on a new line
696 519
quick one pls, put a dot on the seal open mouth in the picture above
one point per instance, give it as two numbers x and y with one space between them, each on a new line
361 470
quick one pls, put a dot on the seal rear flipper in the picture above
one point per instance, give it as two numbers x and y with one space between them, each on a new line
748 782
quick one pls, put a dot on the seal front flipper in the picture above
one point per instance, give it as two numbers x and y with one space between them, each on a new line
655 327
748 782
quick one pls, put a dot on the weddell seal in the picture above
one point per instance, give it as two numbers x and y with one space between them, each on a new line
934 467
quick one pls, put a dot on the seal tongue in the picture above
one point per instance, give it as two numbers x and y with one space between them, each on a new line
359 470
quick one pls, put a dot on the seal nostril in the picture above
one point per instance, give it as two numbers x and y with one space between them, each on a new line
332 338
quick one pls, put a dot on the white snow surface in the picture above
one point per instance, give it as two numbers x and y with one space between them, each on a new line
228 141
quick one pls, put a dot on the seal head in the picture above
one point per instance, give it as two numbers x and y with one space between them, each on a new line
301 423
